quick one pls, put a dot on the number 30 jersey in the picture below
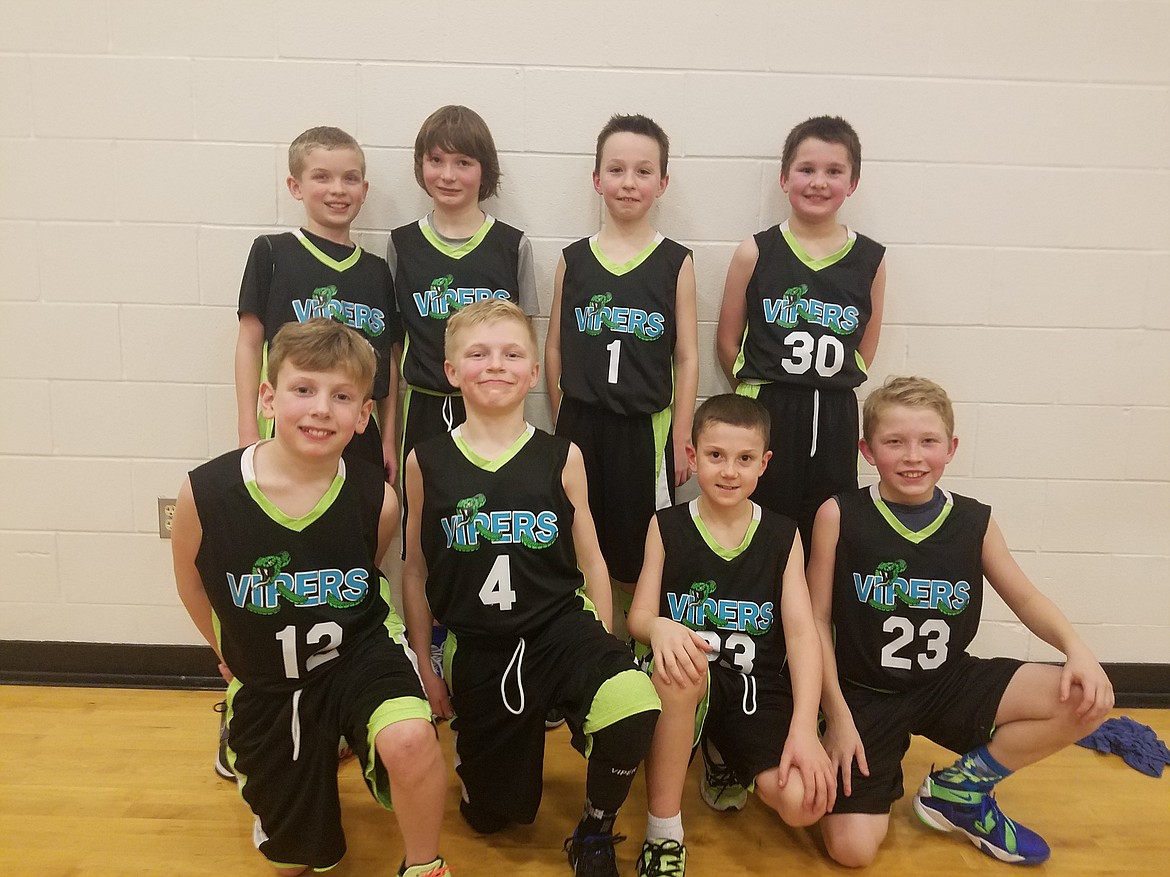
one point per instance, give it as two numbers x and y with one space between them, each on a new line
497 535
731 596
905 603
291 596
805 316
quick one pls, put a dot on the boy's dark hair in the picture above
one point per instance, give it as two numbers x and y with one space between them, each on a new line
321 137
634 124
907 392
831 129
455 128
321 344
733 410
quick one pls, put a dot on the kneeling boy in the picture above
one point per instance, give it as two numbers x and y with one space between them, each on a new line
276 549
898 569
498 534
720 572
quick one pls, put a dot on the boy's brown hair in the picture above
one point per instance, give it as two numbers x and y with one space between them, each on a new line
908 392
490 310
320 345
321 137
831 129
634 124
733 410
456 128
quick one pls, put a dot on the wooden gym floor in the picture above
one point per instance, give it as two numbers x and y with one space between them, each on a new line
116 782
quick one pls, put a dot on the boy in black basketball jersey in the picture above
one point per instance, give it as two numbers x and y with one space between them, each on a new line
897 569
501 548
276 550
722 603
622 351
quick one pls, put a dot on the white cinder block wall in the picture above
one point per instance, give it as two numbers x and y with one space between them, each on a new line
1017 165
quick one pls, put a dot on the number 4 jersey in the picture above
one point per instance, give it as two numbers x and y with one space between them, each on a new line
291 596
905 603
805 316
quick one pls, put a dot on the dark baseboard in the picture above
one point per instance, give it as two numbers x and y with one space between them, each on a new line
116 665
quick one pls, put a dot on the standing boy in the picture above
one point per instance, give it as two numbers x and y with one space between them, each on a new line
720 572
622 351
799 325
501 548
897 569
276 550
318 271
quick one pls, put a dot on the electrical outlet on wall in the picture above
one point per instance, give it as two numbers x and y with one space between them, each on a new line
166 517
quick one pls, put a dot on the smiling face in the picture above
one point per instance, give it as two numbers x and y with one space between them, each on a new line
910 447
818 180
332 186
629 176
493 363
452 179
728 461
316 412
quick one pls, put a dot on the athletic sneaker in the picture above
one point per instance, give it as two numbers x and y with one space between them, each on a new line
222 770
437 868
554 718
662 858
977 815
593 856
719 788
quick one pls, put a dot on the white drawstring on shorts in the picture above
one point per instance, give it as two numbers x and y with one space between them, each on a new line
517 661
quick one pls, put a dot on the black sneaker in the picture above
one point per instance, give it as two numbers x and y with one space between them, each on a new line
593 856
222 770
554 718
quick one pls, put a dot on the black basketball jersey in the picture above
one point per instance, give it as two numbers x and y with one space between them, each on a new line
732 596
289 278
292 597
498 535
806 317
905 604
433 280
618 326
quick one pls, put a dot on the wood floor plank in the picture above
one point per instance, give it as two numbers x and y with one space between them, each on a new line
102 781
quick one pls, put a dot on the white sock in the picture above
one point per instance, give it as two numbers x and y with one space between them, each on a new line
670 828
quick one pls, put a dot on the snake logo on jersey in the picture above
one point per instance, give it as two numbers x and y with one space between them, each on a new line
465 528
699 606
598 315
792 307
263 588
886 588
325 303
442 300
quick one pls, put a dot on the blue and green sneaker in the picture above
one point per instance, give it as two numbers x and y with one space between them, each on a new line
977 815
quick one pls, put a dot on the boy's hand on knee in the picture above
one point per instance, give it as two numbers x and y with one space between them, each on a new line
1082 669
804 753
843 746
437 697
679 653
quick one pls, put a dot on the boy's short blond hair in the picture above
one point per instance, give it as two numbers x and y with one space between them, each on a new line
321 137
456 128
490 310
907 392
733 410
322 345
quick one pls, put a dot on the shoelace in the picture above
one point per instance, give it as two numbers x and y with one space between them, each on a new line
665 860
593 855
720 778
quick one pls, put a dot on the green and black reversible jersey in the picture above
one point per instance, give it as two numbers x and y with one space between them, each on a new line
291 596
618 326
905 603
433 280
731 596
291 277
497 535
805 316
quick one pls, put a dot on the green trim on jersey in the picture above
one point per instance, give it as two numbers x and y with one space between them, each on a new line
464 248
660 422
248 471
713 544
626 267
500 461
898 527
861 363
750 389
318 254
818 264
627 694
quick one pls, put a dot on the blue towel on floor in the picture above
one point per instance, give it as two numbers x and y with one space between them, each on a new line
1137 744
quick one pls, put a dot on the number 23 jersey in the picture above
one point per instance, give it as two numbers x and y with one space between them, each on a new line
905 603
